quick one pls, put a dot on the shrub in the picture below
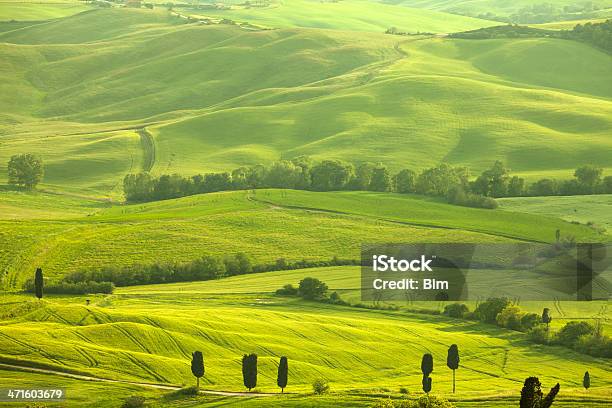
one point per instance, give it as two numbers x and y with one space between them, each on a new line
183 392
384 403
135 401
538 334
320 386
595 345
404 390
456 310
487 311
287 290
510 318
572 331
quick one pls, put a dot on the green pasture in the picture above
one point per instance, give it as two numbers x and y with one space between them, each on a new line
596 210
146 334
349 15
409 102
67 234
39 10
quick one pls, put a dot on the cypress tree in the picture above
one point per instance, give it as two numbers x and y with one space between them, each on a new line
197 366
249 371
427 364
452 361
586 381
546 317
38 283
283 371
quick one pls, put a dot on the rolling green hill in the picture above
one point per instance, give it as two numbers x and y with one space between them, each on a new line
40 10
146 335
347 15
67 233
244 97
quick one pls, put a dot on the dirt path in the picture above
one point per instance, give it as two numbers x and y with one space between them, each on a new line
166 387
148 149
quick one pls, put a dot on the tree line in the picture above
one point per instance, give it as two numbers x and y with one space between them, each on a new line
597 34
444 180
208 267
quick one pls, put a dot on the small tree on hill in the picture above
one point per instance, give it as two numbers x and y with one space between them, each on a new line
38 283
249 371
312 288
546 317
452 361
586 380
25 170
283 371
197 366
531 394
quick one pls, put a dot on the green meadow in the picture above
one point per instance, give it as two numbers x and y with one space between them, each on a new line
100 92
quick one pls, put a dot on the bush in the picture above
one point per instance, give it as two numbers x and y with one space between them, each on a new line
595 345
456 310
487 311
287 290
78 288
404 390
312 289
572 332
135 401
320 386
538 334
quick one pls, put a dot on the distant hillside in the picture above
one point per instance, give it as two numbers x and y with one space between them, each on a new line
216 97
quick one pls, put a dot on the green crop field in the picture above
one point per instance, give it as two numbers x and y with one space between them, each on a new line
596 210
144 335
102 89
76 233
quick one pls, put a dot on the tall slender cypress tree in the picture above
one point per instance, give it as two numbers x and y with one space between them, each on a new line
38 283
283 371
452 360
197 366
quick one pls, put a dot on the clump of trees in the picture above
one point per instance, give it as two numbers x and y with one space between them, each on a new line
25 170
582 336
70 288
320 386
532 396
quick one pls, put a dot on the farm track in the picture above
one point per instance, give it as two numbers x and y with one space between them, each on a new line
148 149
168 387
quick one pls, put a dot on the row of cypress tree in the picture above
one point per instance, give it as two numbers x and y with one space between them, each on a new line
249 370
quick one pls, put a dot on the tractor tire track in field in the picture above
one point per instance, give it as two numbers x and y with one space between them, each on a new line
142 365
31 348
168 387
148 149
407 223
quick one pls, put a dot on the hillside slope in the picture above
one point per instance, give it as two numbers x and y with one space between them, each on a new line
216 97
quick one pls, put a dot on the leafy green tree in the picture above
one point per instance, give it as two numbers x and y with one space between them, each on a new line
244 263
487 311
283 371
516 187
493 182
438 180
256 176
249 371
38 283
532 397
331 175
452 360
312 288
283 174
305 164
197 366
588 178
363 176
239 178
572 331
405 181
606 185
25 170
586 380
544 187
381 179
427 364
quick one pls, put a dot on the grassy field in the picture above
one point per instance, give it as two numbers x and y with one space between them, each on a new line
39 10
583 209
145 334
69 233
427 100
349 15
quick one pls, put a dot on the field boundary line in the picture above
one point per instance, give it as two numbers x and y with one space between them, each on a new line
168 387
